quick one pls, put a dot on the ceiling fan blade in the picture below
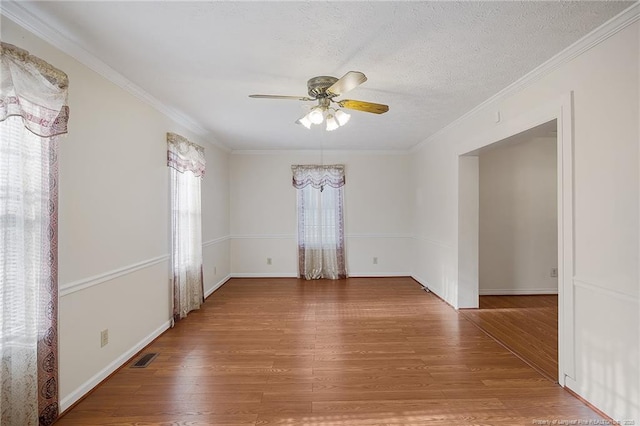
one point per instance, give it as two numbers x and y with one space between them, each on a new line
364 106
349 81
295 98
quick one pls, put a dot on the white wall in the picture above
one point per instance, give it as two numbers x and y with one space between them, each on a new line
468 220
263 211
603 347
518 230
215 219
114 221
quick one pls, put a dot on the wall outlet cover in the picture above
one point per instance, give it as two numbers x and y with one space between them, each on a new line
104 338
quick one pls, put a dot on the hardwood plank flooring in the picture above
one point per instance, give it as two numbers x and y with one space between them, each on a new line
527 325
350 352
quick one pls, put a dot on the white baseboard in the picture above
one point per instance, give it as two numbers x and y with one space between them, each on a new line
420 281
425 283
294 275
264 275
516 291
377 274
87 386
217 286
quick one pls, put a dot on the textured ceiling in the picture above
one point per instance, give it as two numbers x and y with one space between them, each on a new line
431 62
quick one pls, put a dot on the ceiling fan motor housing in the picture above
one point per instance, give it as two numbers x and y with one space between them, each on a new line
318 86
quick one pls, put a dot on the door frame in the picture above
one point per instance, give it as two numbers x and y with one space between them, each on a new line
561 110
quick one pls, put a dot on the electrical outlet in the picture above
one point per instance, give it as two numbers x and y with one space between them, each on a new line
215 271
104 337
269 262
554 272
375 260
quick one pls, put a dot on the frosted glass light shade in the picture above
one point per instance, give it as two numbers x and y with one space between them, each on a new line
316 116
332 124
342 117
305 121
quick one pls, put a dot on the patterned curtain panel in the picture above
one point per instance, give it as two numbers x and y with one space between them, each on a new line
33 113
186 165
321 252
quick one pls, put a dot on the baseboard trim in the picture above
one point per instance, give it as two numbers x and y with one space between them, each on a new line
294 275
263 275
587 403
424 283
420 281
516 291
217 286
378 274
94 381
85 283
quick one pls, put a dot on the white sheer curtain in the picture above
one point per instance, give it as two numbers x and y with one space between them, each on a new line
187 165
33 113
320 221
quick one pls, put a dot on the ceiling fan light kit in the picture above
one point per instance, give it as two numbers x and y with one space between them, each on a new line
323 89
332 117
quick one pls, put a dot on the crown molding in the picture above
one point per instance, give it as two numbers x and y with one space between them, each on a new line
603 32
24 16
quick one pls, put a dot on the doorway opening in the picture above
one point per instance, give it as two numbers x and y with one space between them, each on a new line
509 242
517 243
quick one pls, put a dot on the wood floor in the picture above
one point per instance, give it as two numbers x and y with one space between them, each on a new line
527 325
349 352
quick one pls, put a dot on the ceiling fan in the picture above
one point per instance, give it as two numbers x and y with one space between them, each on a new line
324 89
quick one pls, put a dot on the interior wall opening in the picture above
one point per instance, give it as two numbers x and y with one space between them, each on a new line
517 244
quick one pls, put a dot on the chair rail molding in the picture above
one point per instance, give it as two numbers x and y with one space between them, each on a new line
85 283
216 241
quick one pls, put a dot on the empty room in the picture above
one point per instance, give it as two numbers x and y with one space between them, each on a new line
320 213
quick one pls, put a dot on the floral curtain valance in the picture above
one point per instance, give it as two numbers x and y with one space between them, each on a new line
318 176
34 90
185 156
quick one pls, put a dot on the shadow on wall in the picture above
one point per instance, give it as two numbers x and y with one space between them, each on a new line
615 392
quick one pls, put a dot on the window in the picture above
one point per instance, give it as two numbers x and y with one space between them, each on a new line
33 113
320 221
186 165
320 206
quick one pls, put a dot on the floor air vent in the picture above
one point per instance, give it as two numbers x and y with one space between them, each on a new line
145 360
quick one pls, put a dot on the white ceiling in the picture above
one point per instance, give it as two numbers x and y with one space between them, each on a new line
430 61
